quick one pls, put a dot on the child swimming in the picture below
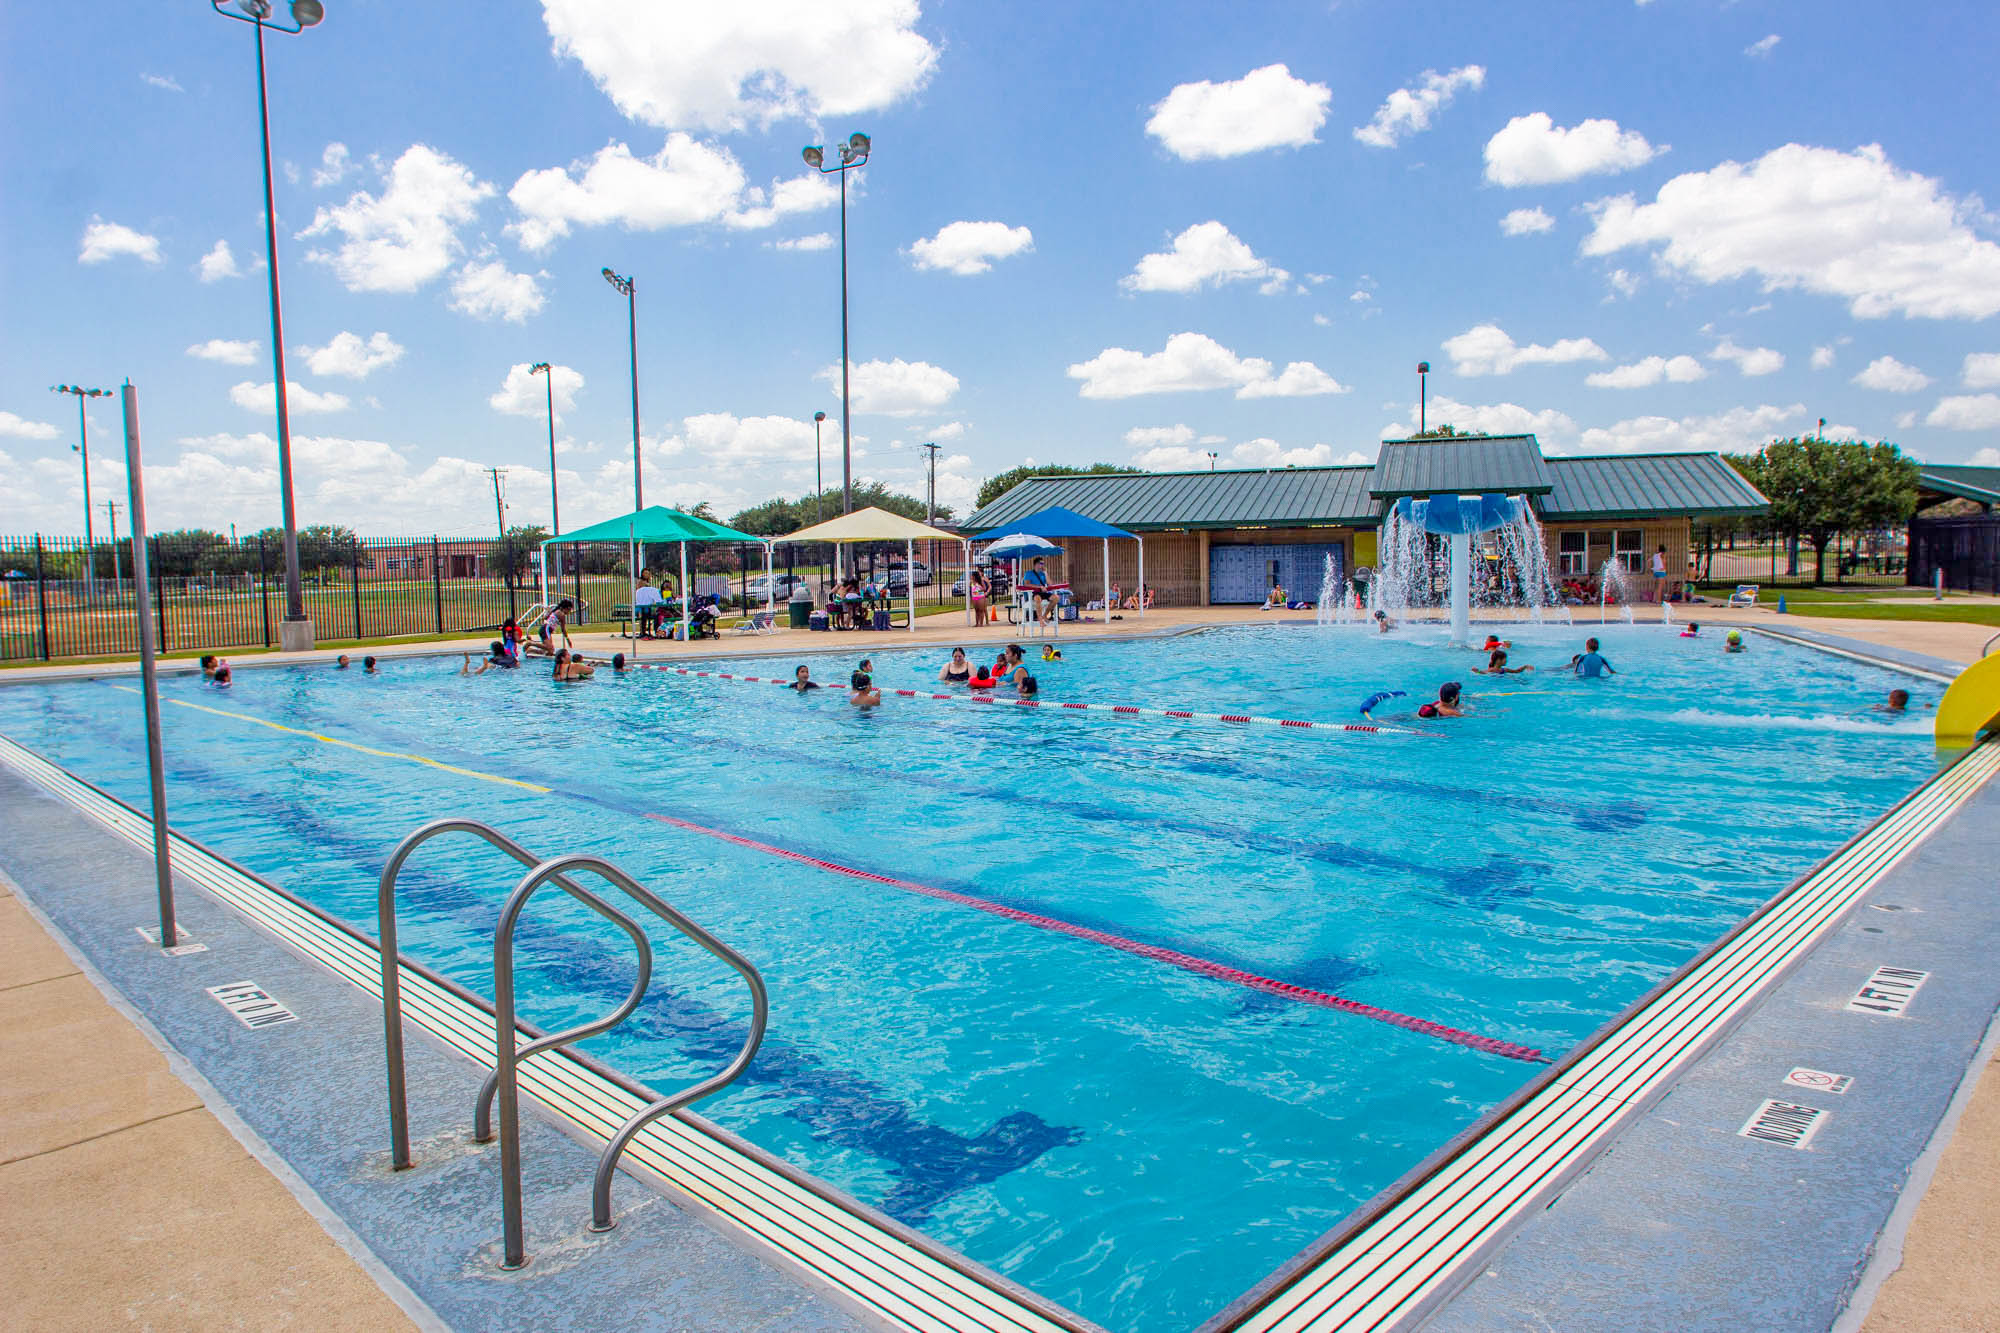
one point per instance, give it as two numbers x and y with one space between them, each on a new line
1693 631
1446 704
1733 642
1496 665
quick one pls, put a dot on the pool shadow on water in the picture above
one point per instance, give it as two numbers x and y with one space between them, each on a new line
1501 880
1332 974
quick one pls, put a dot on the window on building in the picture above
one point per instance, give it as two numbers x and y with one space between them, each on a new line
1631 550
1575 554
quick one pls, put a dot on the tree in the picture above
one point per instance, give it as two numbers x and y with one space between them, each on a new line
1819 489
514 553
184 553
994 487
1448 432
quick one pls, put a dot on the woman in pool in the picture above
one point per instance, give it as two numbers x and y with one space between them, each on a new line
1496 665
570 668
802 680
957 671
1446 704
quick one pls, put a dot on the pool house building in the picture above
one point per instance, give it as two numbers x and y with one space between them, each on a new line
1223 537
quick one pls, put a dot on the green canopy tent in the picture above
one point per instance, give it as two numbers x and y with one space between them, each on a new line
657 523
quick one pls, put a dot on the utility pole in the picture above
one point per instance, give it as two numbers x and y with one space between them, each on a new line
930 514
499 505
111 521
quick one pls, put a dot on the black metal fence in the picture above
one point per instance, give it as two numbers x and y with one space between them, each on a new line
1966 549
59 598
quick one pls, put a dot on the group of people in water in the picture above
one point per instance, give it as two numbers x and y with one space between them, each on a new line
1009 668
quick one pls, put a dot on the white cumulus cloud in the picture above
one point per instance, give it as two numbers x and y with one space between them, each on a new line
1738 430
1554 428
1534 150
1981 370
966 248
1849 225
21 428
1892 376
333 164
1749 360
1487 349
526 394
1409 111
1152 437
112 240
895 388
1266 108
1525 222
688 183
229 351
733 67
409 235
487 289
346 354
1975 411
217 264
254 397
1822 356
1648 371
1207 254
1191 362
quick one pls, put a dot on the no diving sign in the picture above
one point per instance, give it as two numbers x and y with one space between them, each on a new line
1818 1080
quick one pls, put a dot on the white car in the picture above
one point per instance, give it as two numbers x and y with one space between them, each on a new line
897 580
780 587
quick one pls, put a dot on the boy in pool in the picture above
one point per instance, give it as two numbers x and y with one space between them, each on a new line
342 662
1590 664
1025 683
1897 703
1446 704
368 667
862 692
1496 665
1734 642
1383 623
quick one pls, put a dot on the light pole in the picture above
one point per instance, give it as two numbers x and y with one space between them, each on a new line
1423 395
1211 460
627 288
82 446
296 633
819 484
853 153
549 377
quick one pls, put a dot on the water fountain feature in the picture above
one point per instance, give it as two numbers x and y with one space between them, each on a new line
1611 581
1417 570
1336 597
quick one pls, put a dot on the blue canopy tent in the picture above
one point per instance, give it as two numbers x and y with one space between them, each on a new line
1055 523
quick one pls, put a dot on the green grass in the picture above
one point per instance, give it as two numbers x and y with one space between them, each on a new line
1807 594
1938 612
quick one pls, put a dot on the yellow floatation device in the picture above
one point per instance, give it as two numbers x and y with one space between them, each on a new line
1971 705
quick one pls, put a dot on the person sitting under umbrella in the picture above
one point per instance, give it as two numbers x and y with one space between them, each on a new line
1036 583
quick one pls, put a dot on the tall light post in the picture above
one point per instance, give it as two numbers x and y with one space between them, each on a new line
296 633
853 153
819 484
82 446
549 382
1211 460
1423 395
628 288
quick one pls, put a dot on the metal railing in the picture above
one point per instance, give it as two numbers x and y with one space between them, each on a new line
502 1083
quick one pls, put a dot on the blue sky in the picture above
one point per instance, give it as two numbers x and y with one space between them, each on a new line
1089 232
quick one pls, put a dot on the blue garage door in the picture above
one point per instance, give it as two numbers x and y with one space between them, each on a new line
1240 575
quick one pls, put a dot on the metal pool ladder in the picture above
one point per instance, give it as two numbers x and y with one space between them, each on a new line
507 1053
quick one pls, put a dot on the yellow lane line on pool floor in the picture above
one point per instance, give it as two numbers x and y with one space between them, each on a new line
351 745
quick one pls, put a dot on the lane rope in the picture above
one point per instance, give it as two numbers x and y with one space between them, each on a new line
1124 710
1188 962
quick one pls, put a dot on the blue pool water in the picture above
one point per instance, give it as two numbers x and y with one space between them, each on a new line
1129 1138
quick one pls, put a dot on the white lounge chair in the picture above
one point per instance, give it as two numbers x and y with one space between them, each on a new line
760 622
1745 595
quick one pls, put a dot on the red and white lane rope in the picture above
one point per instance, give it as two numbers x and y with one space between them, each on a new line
1206 967
1126 710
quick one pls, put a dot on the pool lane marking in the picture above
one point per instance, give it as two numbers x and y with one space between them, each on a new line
1188 962
352 745
1129 710
1206 967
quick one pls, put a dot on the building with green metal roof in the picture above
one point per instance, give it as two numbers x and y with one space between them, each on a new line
1948 536
1225 536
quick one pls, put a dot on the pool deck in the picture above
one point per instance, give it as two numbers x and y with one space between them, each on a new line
1888 1220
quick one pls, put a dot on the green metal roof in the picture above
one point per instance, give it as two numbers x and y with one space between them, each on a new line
1501 464
1967 483
1150 501
1635 485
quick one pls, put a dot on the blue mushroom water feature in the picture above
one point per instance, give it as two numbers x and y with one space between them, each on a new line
1460 517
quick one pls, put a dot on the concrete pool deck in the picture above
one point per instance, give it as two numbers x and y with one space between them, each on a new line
1948 1280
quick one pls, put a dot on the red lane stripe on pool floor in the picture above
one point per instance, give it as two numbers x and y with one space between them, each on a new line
1189 962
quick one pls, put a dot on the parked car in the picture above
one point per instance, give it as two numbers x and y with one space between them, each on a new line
898 579
997 582
781 586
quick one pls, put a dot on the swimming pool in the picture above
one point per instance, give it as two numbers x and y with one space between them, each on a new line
1132 1138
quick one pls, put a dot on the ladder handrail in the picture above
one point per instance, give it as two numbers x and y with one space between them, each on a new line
506 1057
392 982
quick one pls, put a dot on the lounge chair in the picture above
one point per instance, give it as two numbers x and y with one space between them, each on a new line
760 622
1745 595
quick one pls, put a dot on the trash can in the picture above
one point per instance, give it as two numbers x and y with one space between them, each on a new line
801 613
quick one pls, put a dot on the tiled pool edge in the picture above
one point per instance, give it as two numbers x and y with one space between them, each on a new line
1398 1259
874 1264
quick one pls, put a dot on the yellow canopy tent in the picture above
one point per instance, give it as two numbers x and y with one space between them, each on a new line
879 525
